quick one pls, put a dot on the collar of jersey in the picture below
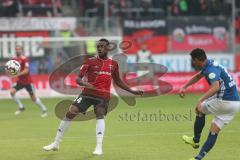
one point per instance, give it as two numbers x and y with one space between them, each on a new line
207 64
101 58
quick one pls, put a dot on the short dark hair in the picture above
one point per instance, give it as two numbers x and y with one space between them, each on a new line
199 54
104 40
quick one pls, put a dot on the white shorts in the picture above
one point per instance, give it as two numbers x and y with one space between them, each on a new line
224 111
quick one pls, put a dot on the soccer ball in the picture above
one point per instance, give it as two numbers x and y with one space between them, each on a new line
13 67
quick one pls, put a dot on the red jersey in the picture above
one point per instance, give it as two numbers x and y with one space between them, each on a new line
99 73
25 79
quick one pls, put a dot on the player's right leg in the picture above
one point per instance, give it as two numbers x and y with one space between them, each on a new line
64 125
211 140
80 105
31 91
13 91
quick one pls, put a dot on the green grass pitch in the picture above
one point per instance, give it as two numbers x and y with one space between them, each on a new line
132 133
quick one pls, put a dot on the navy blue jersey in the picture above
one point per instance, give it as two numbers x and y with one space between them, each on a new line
216 72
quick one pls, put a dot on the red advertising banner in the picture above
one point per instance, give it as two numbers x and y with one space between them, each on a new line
209 34
237 60
25 34
177 80
150 32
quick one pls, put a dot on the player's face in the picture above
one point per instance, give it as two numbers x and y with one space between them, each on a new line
18 50
102 49
197 64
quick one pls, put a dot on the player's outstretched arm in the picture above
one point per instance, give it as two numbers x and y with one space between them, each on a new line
193 80
121 84
211 92
22 73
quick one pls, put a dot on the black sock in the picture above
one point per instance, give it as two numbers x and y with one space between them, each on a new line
212 137
198 127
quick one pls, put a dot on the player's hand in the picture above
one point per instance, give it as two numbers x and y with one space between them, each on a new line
85 84
137 92
90 86
10 75
7 72
182 92
198 108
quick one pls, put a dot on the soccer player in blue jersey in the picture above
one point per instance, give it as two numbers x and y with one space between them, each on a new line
221 100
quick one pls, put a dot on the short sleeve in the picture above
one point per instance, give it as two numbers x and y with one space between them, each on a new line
84 69
213 75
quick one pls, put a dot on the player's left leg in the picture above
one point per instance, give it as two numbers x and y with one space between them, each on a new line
63 127
79 105
13 91
30 90
198 127
100 111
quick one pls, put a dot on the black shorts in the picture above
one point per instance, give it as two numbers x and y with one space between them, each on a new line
28 87
83 102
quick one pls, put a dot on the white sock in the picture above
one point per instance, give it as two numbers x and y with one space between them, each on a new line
100 129
17 100
64 125
41 105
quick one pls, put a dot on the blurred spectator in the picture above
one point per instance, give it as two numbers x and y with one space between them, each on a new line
9 8
203 7
58 60
43 66
183 7
99 4
145 68
146 4
40 7
37 2
144 55
91 47
174 8
216 6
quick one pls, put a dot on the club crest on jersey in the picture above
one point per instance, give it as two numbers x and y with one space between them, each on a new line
110 67
96 67
211 75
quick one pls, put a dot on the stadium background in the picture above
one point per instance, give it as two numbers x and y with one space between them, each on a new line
52 31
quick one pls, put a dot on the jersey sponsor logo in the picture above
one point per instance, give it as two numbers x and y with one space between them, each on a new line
103 73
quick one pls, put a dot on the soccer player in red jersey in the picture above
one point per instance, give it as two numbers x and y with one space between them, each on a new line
24 81
99 70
